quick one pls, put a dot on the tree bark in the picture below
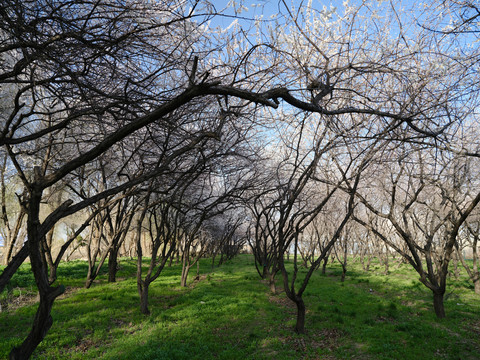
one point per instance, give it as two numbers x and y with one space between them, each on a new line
273 287
9 246
438 304
344 273
43 319
144 298
213 260
112 264
386 262
52 269
185 270
183 281
324 265
300 325
13 266
264 271
89 279
41 324
93 272
456 270
476 283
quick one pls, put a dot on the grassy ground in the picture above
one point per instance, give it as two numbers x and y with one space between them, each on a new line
230 314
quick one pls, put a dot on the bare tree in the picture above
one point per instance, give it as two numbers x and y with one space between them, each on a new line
426 205
163 224
262 239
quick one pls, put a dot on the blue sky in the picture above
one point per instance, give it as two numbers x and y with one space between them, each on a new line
245 12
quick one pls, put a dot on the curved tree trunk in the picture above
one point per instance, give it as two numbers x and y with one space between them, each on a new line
41 324
43 319
13 266
300 324
296 298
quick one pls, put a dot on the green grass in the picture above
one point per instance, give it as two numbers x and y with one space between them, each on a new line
230 314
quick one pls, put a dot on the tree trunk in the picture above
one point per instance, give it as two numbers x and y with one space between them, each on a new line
183 281
324 266
345 260
8 254
273 287
197 276
13 265
18 233
386 262
112 265
369 261
89 280
93 272
144 298
476 283
52 269
43 319
52 273
5 256
456 270
185 269
438 304
41 324
344 272
221 259
300 325
265 271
